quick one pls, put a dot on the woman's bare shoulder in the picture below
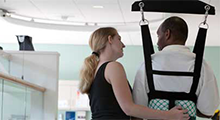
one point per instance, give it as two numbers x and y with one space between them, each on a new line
115 64
115 68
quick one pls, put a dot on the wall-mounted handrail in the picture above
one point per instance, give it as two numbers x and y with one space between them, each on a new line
21 82
5 55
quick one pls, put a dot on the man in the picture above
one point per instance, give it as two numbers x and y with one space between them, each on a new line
173 55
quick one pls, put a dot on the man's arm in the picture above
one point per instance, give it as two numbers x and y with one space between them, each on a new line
139 89
208 93
199 114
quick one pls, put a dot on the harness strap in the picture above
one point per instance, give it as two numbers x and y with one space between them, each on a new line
199 51
171 104
148 50
173 73
172 96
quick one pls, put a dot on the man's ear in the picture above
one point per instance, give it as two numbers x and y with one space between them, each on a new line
167 34
110 39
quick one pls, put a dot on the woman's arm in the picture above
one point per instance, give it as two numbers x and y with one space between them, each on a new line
115 75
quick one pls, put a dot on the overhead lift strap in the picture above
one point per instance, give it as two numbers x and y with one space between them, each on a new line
148 51
199 51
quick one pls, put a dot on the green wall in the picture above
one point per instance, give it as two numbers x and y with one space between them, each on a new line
212 56
72 56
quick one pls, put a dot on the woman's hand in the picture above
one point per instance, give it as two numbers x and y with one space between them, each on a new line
177 113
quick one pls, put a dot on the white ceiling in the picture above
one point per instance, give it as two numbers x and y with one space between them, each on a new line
116 13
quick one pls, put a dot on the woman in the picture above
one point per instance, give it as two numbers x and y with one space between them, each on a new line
105 82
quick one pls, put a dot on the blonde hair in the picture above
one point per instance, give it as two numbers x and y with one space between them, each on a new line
97 42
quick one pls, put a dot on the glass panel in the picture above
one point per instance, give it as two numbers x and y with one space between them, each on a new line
4 65
14 98
34 109
1 93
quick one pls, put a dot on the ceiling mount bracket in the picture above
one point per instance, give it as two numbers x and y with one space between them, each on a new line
174 6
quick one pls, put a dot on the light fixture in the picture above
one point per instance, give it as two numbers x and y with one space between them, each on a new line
64 21
7 14
57 22
20 17
98 6
4 13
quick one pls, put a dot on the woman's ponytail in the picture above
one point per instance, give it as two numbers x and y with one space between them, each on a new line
87 73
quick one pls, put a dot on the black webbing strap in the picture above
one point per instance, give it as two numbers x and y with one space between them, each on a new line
171 104
199 51
172 96
148 50
147 41
173 73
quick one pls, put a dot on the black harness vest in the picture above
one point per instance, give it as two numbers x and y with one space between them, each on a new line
172 96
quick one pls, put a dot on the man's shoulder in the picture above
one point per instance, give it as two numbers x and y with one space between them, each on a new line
173 54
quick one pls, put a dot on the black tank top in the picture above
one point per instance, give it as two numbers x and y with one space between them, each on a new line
102 99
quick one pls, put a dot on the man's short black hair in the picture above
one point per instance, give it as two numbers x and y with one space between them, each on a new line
177 26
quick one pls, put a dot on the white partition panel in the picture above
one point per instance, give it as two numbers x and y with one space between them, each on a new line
40 68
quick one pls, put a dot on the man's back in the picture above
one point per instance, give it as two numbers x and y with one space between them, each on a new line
173 58
178 58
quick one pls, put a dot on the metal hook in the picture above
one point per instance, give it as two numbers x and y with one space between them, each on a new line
207 8
141 5
143 20
204 24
